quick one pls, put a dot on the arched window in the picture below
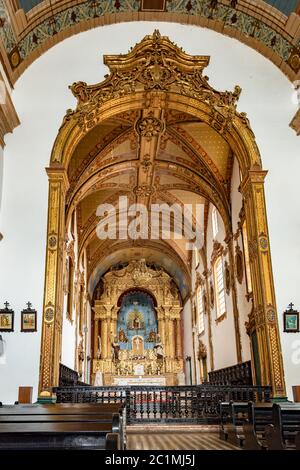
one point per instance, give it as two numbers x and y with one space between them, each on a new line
200 310
215 226
219 287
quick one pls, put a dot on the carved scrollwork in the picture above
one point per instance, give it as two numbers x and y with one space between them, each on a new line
154 64
144 190
227 278
202 351
239 264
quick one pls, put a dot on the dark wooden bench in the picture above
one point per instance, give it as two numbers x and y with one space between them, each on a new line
259 416
284 432
232 417
62 426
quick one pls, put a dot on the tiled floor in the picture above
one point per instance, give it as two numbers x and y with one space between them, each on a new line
148 439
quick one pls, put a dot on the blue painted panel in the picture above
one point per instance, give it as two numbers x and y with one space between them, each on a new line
28 4
137 317
286 6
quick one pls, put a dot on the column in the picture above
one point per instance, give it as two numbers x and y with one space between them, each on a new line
96 334
53 290
178 339
264 315
104 338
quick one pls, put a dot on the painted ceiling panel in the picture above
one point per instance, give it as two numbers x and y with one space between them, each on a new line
28 4
286 6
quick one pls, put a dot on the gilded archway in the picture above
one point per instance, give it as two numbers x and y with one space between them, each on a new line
154 80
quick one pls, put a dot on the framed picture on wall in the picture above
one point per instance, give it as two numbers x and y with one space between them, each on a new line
6 319
291 320
28 319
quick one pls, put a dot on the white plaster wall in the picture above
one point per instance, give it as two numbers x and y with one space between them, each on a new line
1 175
41 97
223 336
187 341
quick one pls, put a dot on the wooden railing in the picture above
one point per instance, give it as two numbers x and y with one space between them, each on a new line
239 374
195 404
68 377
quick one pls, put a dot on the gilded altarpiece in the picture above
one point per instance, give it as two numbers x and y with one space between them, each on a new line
145 342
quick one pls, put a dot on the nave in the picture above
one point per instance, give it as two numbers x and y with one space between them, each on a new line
176 438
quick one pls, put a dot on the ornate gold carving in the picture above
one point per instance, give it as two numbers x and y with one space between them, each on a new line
144 190
49 314
239 263
149 127
157 282
202 351
154 64
263 243
212 294
227 278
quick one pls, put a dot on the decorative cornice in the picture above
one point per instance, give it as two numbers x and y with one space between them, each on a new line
26 36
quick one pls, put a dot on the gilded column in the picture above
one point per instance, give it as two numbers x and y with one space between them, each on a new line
104 330
178 339
53 290
96 334
109 335
264 311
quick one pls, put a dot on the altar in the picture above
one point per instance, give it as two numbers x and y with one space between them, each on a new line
137 328
140 380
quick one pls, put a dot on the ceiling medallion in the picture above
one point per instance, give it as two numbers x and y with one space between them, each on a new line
144 190
146 163
149 127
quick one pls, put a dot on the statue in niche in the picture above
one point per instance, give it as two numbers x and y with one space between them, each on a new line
136 323
116 348
80 352
98 353
138 346
159 349
122 337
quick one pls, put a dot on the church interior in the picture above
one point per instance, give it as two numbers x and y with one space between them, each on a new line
149 281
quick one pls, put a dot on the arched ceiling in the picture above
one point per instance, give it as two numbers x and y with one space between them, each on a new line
160 156
187 144
30 27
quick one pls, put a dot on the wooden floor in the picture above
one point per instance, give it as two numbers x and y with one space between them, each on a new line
175 440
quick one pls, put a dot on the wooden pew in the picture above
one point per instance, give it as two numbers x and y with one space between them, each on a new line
54 436
62 426
232 417
284 431
224 415
259 416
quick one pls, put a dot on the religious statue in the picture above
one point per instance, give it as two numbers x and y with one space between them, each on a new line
80 352
136 323
138 346
159 349
98 353
122 337
116 348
